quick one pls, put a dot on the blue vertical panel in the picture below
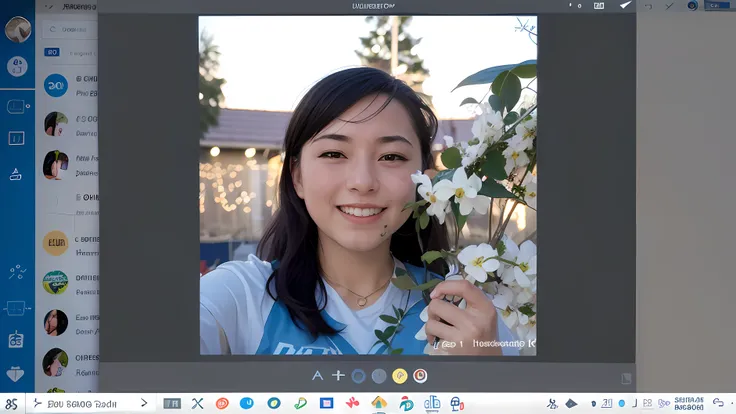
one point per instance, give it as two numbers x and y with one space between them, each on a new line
17 197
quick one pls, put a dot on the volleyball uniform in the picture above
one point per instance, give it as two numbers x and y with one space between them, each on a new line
238 316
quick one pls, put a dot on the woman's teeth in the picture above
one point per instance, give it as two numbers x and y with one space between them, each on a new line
360 212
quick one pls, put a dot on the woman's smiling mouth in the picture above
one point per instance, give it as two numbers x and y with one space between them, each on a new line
361 214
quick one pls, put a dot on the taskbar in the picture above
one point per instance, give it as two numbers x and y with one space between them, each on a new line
364 403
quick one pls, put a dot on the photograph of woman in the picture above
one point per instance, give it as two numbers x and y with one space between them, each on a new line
54 362
54 165
54 124
321 282
55 323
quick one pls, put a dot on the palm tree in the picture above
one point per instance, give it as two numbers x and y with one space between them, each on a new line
210 86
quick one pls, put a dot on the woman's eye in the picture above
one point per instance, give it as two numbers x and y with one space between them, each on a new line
393 157
331 154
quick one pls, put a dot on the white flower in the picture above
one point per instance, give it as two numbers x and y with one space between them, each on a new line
465 191
515 155
528 129
526 258
437 207
479 260
488 126
503 298
530 195
473 152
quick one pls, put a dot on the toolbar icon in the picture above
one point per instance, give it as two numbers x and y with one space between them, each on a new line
301 403
17 107
599 5
16 272
15 373
16 307
432 404
624 5
172 403
16 138
15 175
15 340
570 403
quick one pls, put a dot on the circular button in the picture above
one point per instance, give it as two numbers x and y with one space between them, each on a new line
378 376
358 376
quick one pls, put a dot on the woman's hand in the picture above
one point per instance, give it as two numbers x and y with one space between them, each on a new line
469 331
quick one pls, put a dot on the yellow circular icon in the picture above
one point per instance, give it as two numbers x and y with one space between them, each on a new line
55 243
400 376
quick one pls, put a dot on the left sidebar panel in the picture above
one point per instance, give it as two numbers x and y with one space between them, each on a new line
17 195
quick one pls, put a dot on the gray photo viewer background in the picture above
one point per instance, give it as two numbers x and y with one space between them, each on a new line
150 223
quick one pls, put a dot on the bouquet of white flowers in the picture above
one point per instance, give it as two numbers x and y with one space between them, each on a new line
496 167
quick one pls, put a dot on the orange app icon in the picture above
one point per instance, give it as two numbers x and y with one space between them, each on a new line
222 403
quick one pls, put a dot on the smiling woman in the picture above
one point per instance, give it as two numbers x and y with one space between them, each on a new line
341 235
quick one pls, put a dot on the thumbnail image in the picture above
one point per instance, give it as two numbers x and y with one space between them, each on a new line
55 323
54 362
18 29
54 124
55 282
383 201
55 165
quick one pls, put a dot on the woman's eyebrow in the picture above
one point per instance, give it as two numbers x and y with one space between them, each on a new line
383 140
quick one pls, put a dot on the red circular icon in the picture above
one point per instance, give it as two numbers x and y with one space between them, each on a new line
420 376
222 403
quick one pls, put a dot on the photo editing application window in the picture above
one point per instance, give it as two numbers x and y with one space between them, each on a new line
310 196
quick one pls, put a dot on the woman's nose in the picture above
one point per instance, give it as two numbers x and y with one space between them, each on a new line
362 177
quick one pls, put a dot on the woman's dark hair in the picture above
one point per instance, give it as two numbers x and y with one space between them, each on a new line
50 121
291 237
51 157
49 359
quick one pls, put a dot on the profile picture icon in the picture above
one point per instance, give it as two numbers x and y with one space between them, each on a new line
55 282
55 164
54 124
18 29
54 362
55 323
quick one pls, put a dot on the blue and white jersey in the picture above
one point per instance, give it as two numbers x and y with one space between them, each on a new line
238 316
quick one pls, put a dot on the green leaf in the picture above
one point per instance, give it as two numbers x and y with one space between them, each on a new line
424 221
403 282
429 285
396 312
496 103
508 87
488 75
377 342
401 312
510 118
380 335
389 331
388 319
415 214
397 351
467 101
495 166
431 256
493 189
522 111
451 158
525 71
459 218
443 175
400 272
527 310
501 248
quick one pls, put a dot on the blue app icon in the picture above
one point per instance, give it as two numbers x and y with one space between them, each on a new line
246 403
327 403
55 85
274 403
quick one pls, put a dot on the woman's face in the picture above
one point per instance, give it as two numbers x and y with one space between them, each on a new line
56 368
355 177
55 168
51 323
58 129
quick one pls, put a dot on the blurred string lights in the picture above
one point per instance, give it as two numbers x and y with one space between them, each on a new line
226 182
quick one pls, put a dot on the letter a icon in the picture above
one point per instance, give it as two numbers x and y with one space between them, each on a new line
317 375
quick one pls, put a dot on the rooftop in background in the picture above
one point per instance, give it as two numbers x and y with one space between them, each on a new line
242 128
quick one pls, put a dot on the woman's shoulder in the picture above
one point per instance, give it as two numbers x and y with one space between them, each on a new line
252 273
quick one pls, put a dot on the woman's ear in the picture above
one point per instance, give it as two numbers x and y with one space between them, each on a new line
296 178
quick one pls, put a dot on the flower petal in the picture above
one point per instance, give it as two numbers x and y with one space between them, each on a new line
444 190
521 278
466 206
449 141
491 265
424 315
467 254
422 179
477 272
459 178
481 204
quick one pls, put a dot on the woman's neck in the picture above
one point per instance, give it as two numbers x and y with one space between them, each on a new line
360 272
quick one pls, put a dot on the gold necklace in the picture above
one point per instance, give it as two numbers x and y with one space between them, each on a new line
362 300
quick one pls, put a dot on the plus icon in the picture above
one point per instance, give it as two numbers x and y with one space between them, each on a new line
338 375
